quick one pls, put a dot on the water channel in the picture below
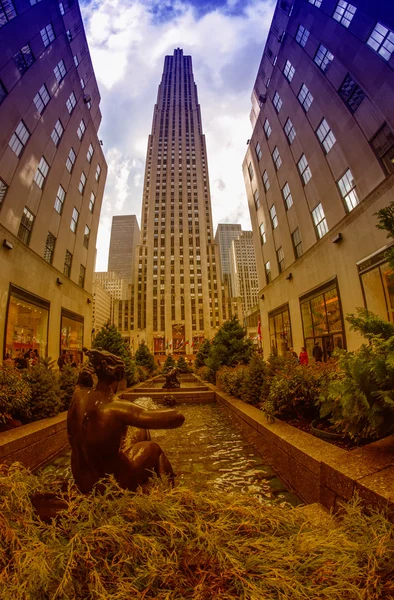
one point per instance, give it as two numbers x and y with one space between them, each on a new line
209 450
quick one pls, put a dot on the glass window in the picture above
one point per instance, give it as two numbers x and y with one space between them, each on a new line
41 99
319 220
81 129
378 286
92 201
263 235
382 41
60 197
274 218
276 158
70 160
305 97
302 36
47 34
19 139
90 153
57 132
81 279
60 71
323 58
82 183
24 58
267 268
71 102
280 331
3 190
326 136
61 8
3 92
288 71
297 243
41 173
7 12
316 3
288 200
347 187
351 93
266 181
76 61
250 169
26 226
71 335
281 259
259 153
49 248
67 264
304 169
27 324
383 144
86 237
322 321
290 132
267 129
344 13
74 220
277 102
256 199
98 172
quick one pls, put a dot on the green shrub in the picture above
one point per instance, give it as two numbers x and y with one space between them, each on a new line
169 364
45 390
109 339
144 358
360 402
231 379
206 374
202 354
274 367
15 394
68 378
254 380
230 346
370 325
182 365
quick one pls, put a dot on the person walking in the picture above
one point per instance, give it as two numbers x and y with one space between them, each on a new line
317 352
303 357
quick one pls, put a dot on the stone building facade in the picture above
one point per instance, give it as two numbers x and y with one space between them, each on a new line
320 163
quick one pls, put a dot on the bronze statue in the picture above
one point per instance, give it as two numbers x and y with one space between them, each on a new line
172 380
97 423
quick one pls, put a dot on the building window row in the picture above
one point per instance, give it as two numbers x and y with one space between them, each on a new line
41 173
288 71
325 136
19 138
60 71
47 34
41 99
323 58
344 13
7 12
24 58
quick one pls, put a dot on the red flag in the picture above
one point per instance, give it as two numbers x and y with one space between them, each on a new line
259 329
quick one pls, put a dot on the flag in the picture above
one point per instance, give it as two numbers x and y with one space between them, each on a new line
259 329
187 341
181 344
170 343
192 343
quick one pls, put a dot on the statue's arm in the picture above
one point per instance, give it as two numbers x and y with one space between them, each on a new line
130 414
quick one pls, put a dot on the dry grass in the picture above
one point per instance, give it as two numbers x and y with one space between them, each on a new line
181 544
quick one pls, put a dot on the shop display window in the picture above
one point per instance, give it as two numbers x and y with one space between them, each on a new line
280 330
378 286
27 324
71 336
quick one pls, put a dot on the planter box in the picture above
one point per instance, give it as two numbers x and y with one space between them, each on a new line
35 443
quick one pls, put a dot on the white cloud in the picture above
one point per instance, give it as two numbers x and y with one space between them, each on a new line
128 40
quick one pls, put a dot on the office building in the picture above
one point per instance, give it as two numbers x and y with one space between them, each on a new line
243 269
113 284
102 307
52 176
178 293
225 234
319 164
125 236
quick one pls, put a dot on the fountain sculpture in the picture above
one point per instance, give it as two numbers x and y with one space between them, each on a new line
172 380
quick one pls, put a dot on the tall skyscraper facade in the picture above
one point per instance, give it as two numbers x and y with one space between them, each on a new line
178 295
225 234
244 270
52 176
320 163
125 236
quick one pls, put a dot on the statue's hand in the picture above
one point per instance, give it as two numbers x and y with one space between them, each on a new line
130 414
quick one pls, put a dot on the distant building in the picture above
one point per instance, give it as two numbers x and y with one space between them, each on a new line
125 236
243 270
52 176
102 307
225 234
319 164
118 288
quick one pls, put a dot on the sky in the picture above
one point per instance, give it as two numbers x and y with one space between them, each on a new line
128 40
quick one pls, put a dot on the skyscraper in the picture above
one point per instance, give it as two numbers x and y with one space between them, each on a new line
125 236
319 165
178 299
225 234
244 270
52 176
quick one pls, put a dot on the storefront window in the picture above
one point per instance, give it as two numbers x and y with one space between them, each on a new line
71 336
378 285
280 330
27 323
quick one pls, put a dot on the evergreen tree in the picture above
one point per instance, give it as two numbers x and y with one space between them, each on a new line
68 378
169 364
202 354
182 365
109 339
230 346
254 381
386 222
45 390
145 358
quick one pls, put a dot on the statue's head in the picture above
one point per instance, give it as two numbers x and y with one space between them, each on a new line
107 366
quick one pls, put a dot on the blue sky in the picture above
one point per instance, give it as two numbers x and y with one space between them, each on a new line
128 40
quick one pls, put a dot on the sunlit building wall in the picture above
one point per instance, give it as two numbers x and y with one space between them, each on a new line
319 164
125 236
52 176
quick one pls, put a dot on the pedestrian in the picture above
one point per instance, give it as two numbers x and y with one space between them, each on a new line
303 358
293 354
317 352
8 360
61 360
